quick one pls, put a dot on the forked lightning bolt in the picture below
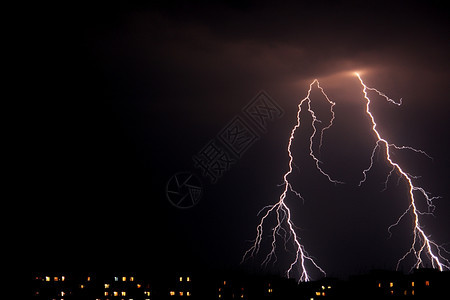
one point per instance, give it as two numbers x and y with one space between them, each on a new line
285 228
422 246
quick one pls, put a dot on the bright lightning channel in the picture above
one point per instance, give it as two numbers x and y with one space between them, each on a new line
284 227
422 246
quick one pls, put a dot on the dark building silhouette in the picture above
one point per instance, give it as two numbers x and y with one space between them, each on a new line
378 284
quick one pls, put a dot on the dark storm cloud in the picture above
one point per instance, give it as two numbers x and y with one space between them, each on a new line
157 82
223 47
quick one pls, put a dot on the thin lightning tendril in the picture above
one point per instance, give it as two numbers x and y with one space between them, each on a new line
422 246
285 227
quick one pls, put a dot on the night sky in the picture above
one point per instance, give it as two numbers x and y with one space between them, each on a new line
126 95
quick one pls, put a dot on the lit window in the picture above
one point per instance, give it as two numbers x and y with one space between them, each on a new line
47 278
220 296
55 278
116 278
379 284
106 293
124 278
329 287
181 293
81 286
317 293
242 296
224 282
106 285
392 292
323 287
116 294
427 283
172 293
270 290
412 283
405 293
188 279
188 294
412 292
391 284
138 286
131 278
63 278
62 293
323 293
124 293
147 293
89 278
181 279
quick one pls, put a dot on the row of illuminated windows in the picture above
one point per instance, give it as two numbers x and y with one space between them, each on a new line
241 296
115 293
88 278
49 278
188 279
172 293
122 299
107 293
138 285
122 293
56 278
391 284
124 278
